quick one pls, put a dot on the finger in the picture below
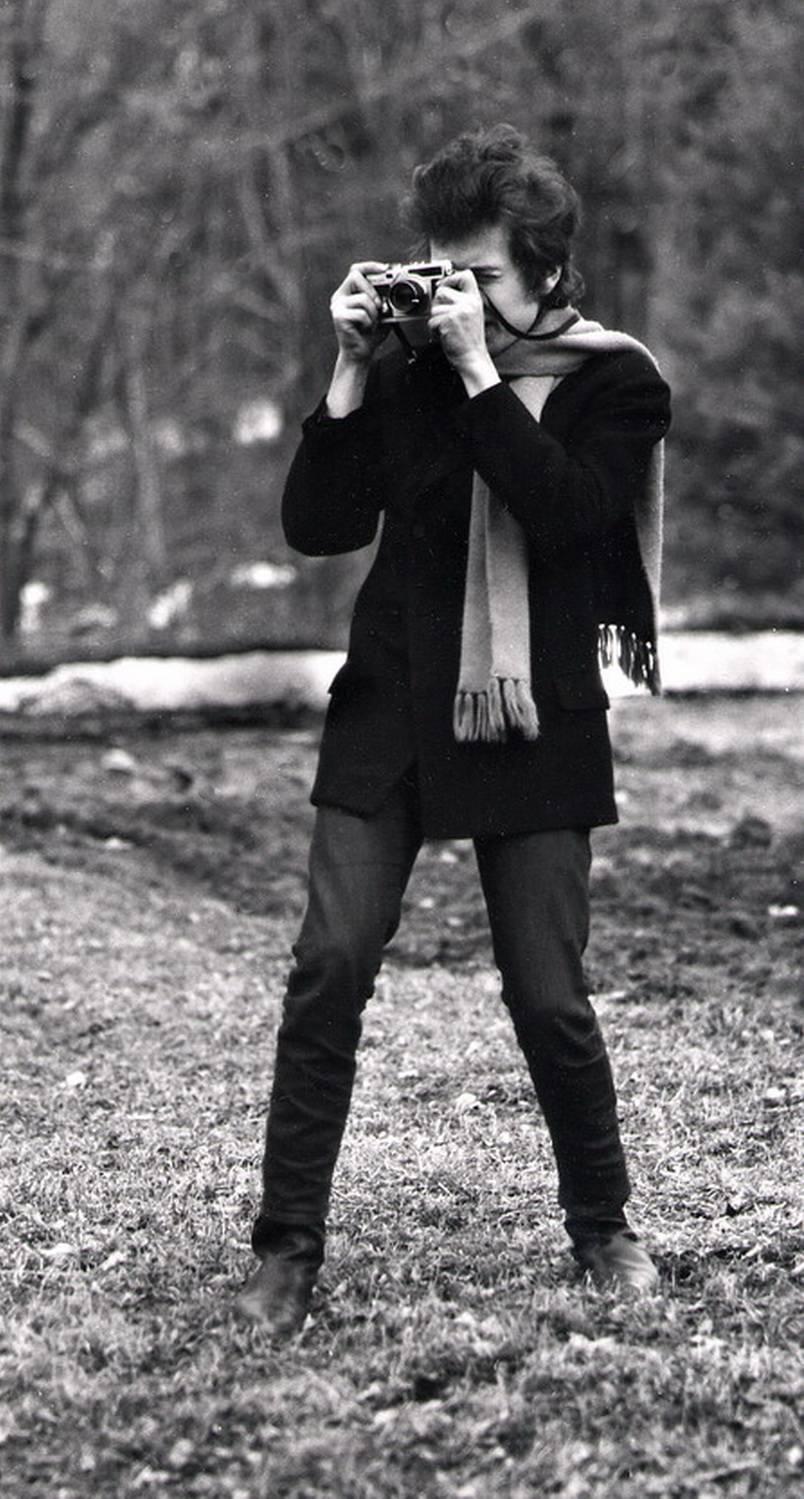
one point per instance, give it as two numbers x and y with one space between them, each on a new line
453 317
358 275
356 317
444 294
365 299
452 306
439 320
344 307
357 281
456 309
464 280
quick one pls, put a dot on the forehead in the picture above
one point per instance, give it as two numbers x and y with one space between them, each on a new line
486 247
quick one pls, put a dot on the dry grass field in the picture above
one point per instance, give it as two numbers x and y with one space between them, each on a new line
149 897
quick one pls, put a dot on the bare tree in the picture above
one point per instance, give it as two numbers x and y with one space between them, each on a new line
180 185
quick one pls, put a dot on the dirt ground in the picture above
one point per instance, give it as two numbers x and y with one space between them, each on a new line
152 881
705 855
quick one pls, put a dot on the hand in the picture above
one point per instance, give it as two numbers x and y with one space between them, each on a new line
458 319
355 308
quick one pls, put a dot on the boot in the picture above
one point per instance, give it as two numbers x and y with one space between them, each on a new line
618 1262
278 1295
608 1250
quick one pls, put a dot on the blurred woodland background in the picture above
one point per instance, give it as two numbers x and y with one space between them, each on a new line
183 182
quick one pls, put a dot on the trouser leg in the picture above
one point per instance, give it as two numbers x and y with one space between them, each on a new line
536 888
358 871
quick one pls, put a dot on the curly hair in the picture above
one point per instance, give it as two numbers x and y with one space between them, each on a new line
494 176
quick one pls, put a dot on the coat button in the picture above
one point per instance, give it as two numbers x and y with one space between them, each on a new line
417 530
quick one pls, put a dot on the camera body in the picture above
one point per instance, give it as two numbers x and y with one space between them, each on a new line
407 291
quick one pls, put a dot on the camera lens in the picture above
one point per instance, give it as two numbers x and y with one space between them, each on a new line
409 296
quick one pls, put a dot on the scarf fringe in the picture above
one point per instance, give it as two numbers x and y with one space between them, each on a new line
637 659
507 703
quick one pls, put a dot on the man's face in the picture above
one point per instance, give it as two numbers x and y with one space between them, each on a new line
486 252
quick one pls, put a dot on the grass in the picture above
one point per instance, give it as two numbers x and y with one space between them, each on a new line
146 921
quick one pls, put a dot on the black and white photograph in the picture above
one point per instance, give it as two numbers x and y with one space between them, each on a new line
401 684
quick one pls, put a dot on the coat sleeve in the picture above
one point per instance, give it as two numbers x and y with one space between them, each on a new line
565 494
334 491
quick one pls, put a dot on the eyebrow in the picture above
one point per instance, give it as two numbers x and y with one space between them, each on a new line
483 267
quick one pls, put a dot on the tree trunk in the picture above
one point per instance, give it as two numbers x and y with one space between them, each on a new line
148 483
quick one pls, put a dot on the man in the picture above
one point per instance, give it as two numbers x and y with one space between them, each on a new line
513 459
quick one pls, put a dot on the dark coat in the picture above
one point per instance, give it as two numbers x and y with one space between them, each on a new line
570 479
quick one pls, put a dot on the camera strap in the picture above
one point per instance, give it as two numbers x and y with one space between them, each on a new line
411 354
573 318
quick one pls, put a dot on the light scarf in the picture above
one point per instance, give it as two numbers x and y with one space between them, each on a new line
494 694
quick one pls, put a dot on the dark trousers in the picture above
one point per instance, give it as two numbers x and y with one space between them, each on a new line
536 888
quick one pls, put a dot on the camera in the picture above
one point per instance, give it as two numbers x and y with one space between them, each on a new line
407 291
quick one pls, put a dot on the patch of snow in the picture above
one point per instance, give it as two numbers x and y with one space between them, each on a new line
770 660
258 421
702 660
70 693
162 683
710 661
35 594
118 762
263 575
170 605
